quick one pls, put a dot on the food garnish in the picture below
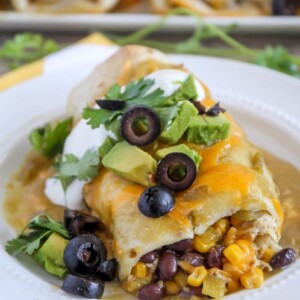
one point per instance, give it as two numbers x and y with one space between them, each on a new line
215 110
49 140
155 202
140 125
40 228
107 270
70 167
83 255
111 104
79 223
176 171
88 288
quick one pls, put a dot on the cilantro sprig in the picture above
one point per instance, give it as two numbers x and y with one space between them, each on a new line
40 228
49 140
136 92
84 168
277 58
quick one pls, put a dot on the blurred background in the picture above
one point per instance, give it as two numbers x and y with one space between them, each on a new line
265 32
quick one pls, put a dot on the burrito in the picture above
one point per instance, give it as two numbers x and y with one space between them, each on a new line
190 204
64 6
216 7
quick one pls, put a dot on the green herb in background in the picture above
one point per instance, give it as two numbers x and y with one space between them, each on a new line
277 58
25 48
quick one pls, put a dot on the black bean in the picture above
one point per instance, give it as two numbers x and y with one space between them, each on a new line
167 265
151 291
181 246
193 258
149 257
283 259
214 257
191 291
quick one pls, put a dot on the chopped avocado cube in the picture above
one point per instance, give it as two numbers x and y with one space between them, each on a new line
187 91
181 149
207 130
176 129
130 162
50 255
107 145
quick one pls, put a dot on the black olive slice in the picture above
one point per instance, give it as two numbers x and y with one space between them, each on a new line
83 255
176 172
140 125
92 289
79 223
108 269
111 104
200 107
155 202
215 110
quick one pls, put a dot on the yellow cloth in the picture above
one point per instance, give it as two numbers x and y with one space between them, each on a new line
36 68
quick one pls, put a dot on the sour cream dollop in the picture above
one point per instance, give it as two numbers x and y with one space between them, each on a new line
83 137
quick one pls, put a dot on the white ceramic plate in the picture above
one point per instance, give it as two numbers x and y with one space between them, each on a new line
129 21
264 102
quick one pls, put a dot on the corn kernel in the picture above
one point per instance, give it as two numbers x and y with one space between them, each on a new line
230 236
248 250
197 277
268 254
222 226
233 271
253 278
139 270
204 242
232 286
171 288
185 266
181 279
234 254
214 287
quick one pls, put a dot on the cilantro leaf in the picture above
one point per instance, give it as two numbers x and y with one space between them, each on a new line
167 115
25 48
49 140
41 228
96 117
27 243
85 168
114 92
45 222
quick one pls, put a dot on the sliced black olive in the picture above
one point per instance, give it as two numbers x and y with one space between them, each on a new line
215 110
155 202
111 104
283 259
83 255
79 223
107 270
140 125
82 287
284 7
176 171
201 108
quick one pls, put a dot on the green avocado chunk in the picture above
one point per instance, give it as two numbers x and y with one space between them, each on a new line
130 162
179 125
207 130
181 149
107 145
50 255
